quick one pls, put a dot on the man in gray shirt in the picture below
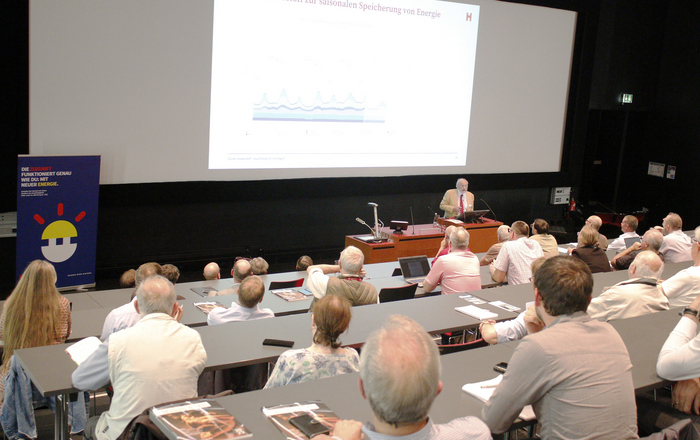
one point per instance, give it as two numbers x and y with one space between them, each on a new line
576 372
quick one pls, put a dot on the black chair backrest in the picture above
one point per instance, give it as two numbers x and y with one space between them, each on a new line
286 284
388 294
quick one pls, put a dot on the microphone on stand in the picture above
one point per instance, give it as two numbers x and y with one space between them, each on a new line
435 216
413 224
376 220
494 214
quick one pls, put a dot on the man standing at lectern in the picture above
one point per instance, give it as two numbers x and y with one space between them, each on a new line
457 201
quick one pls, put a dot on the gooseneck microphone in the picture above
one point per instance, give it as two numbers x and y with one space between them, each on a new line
359 220
487 205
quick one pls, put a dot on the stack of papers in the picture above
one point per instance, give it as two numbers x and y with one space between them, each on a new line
477 312
483 390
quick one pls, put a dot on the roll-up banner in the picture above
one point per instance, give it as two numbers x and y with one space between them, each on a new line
57 200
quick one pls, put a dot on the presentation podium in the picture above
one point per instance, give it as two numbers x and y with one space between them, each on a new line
423 240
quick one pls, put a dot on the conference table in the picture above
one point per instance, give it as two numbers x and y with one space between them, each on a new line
91 308
238 344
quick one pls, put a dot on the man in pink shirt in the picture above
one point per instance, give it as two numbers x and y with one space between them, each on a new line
457 271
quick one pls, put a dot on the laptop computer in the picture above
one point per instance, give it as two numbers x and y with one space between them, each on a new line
414 269
629 241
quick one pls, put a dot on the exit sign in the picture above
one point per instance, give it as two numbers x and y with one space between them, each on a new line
627 98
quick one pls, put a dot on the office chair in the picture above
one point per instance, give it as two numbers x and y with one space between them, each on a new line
389 294
286 284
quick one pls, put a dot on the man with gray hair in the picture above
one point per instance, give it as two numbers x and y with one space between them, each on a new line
651 241
132 361
503 233
400 377
682 288
596 222
457 271
676 247
458 200
637 296
348 284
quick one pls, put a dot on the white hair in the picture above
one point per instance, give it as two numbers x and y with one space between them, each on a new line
647 264
654 238
400 371
459 239
351 260
503 233
156 295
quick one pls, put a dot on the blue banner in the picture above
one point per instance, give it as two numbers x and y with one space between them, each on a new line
57 200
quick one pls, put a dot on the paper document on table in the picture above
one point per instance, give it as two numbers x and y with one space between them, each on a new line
476 312
483 390
82 349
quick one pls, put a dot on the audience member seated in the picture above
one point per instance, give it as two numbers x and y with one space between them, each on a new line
515 259
259 266
457 271
445 243
503 233
34 314
171 272
325 358
540 233
682 288
629 230
457 200
126 316
304 262
128 279
676 247
241 270
212 271
250 295
133 359
596 222
679 359
575 373
590 252
349 284
146 270
400 377
637 296
240 379
651 241
515 329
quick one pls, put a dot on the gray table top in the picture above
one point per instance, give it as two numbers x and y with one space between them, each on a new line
342 395
644 336
240 343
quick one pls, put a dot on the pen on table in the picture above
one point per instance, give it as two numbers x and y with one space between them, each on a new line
489 386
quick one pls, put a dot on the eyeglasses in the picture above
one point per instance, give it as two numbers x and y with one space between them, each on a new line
243 258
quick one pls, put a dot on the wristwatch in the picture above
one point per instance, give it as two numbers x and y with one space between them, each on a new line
689 311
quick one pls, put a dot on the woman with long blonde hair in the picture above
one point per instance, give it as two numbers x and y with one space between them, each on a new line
34 315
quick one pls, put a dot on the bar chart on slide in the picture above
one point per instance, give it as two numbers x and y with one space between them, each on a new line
315 86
